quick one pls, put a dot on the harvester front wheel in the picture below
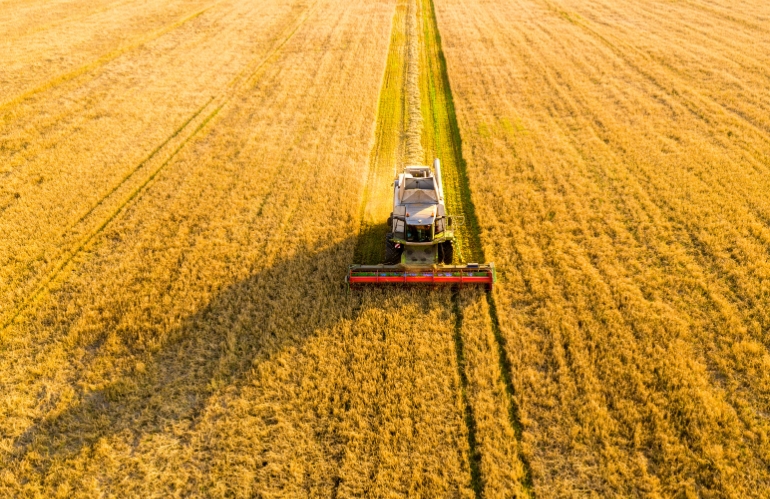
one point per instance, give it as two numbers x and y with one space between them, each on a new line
447 252
393 251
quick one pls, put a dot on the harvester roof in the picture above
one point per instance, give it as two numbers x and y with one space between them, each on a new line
419 190
420 214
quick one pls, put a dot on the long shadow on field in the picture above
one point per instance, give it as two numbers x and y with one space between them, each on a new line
211 350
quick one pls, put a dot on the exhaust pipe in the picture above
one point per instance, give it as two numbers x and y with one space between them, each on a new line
437 170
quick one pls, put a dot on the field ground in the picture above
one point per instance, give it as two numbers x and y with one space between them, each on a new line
182 185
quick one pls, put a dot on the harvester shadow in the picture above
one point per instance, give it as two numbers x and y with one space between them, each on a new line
211 351
370 245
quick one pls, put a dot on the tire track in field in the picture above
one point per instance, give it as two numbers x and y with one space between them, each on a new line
48 127
192 126
474 458
448 147
234 85
106 58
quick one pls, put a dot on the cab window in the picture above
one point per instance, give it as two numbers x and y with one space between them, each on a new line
419 233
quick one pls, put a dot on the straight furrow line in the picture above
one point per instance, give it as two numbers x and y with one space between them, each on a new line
224 98
397 140
141 164
506 371
413 132
445 122
448 143
84 242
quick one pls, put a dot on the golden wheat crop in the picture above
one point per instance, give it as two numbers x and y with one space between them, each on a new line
176 223
618 158
182 185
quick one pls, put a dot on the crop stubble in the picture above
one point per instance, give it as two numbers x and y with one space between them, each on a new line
618 161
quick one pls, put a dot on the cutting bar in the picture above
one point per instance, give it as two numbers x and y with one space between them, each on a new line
468 274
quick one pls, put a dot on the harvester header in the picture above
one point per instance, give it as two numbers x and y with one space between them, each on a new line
419 247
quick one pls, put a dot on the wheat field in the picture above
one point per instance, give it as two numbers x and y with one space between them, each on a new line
183 184
618 158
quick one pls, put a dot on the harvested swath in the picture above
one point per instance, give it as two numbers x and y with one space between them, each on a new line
414 151
624 195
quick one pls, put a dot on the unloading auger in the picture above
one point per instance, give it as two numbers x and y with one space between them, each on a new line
419 249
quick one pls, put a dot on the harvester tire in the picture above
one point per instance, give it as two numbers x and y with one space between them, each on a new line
392 253
447 252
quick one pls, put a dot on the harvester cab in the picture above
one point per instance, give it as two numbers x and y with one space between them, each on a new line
419 246
420 230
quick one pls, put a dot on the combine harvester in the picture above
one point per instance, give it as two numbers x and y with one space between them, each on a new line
419 248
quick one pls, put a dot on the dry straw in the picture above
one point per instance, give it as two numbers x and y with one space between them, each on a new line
414 151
